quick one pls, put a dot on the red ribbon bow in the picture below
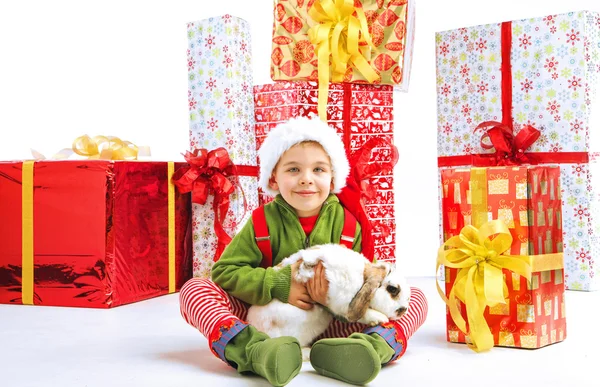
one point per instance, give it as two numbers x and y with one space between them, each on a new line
358 187
510 149
210 171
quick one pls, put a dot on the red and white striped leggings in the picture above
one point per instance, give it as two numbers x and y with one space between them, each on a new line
208 308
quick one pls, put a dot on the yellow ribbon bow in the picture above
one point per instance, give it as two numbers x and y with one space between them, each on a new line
338 34
100 147
479 256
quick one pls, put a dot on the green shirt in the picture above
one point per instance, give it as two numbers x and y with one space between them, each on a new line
238 270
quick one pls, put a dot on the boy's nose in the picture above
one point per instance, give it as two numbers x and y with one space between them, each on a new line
306 179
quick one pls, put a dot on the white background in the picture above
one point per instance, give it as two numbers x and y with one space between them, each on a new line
118 68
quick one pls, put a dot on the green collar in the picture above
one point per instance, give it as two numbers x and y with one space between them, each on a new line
332 198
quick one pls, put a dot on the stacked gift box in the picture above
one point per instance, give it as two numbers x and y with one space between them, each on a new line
357 100
527 202
516 100
359 113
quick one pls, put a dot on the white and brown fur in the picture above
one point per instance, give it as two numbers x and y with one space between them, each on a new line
359 291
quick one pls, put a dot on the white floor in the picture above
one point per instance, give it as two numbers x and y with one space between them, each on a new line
148 344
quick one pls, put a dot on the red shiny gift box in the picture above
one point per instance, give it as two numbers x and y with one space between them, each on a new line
91 233
360 113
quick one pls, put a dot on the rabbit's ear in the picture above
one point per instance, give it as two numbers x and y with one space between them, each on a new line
373 276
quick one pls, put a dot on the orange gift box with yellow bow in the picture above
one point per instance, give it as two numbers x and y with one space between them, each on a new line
295 52
504 280
353 41
91 233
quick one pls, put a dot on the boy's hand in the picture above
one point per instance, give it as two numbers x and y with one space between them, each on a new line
299 296
318 286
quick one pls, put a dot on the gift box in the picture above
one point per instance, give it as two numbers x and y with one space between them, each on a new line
294 54
221 111
91 233
342 41
360 114
526 92
509 219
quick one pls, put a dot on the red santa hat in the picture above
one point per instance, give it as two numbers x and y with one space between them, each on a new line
293 132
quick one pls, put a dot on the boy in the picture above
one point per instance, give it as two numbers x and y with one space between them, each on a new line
303 164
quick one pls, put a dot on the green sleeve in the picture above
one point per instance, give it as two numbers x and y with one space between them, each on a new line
357 246
239 273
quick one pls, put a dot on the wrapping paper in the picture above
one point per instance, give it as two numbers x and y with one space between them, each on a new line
98 233
554 66
358 112
391 26
527 200
221 115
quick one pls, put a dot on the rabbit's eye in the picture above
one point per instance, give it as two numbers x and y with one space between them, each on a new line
393 290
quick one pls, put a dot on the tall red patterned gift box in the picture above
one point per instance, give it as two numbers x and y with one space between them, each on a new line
510 282
519 77
92 234
360 113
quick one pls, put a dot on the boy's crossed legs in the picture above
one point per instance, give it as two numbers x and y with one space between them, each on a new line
351 352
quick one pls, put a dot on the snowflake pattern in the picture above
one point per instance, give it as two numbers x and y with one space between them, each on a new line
221 108
555 66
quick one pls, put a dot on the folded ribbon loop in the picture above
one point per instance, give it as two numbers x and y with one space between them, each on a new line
358 187
340 30
99 148
209 171
479 254
510 149
212 172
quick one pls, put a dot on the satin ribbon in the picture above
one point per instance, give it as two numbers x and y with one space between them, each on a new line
358 187
213 172
337 36
27 264
509 149
171 226
101 148
479 254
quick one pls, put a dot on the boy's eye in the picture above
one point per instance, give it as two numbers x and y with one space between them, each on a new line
319 169
293 169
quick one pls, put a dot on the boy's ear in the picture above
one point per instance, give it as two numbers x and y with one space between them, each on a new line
273 183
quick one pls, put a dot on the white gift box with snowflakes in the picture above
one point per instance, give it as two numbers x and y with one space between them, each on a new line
551 66
221 108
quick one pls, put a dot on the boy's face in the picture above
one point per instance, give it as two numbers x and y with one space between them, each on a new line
304 178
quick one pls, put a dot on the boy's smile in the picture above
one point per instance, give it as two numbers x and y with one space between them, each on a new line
303 176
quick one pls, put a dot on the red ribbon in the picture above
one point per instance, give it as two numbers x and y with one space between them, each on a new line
510 149
358 187
213 172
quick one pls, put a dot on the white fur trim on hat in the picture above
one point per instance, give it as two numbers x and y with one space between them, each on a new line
292 132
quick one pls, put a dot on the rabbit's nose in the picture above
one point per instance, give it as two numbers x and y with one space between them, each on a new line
400 311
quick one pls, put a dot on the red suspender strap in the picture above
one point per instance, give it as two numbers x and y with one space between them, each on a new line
349 230
261 231
263 240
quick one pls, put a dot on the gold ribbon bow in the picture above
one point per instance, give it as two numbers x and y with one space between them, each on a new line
337 35
479 256
100 147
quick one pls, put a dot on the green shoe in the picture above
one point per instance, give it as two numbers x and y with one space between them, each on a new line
350 360
278 360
